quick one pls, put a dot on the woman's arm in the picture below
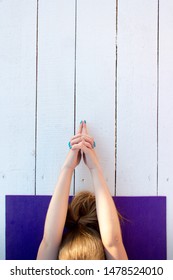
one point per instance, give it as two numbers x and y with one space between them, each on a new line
56 216
57 211
106 210
108 218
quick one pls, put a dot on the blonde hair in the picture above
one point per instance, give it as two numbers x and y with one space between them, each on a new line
82 240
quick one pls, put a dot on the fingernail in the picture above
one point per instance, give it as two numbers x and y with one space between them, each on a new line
69 145
80 122
84 121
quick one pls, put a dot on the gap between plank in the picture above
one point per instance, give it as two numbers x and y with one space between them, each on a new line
158 67
75 58
116 66
36 100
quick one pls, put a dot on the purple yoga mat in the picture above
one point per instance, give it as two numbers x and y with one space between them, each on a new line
143 227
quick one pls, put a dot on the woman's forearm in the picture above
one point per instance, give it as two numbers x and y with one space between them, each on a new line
57 211
106 211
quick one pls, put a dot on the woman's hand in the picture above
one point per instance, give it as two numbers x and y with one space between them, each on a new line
74 155
85 143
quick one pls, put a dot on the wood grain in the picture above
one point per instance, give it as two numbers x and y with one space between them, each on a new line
55 114
165 148
137 98
95 84
17 101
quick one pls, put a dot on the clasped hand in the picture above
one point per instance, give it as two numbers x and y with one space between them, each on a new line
82 145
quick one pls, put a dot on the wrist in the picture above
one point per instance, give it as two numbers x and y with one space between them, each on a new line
97 169
67 169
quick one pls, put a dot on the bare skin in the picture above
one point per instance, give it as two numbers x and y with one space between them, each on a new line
82 147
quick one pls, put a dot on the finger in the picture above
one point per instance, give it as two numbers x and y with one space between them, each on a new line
85 149
77 146
84 130
82 145
76 141
87 144
80 127
76 136
88 138
80 138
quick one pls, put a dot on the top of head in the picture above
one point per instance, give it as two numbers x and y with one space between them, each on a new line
82 240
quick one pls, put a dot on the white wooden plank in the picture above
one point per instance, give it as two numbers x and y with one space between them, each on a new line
137 98
55 89
17 102
165 163
95 84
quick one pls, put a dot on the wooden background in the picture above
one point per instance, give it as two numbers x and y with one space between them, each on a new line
108 62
